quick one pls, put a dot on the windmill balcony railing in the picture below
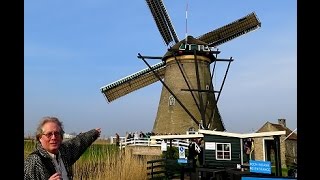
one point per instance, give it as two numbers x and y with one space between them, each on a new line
150 142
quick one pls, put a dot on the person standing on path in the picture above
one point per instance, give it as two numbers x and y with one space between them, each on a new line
117 139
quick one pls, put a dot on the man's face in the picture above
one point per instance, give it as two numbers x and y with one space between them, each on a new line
51 137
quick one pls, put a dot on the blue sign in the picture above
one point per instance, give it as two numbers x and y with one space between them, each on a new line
182 161
182 153
260 166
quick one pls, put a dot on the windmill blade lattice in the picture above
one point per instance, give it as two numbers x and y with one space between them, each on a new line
231 31
133 82
163 21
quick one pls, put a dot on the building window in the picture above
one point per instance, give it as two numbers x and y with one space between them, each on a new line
191 130
172 100
223 151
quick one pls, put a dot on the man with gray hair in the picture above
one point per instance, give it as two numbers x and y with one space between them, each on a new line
53 158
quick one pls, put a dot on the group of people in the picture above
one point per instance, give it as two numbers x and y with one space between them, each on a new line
53 158
139 135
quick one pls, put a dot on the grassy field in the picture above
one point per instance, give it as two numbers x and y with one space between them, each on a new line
104 161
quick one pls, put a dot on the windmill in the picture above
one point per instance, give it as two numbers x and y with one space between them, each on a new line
188 100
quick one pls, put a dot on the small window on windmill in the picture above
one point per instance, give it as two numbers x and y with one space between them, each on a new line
207 88
172 100
191 130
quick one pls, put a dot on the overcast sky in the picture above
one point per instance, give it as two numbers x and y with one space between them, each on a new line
73 48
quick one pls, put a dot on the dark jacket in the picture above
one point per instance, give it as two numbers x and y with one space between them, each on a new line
39 166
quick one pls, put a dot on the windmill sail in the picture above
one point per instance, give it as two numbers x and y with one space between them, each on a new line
133 82
162 20
231 31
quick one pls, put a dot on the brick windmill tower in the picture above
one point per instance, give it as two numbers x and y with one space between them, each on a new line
188 98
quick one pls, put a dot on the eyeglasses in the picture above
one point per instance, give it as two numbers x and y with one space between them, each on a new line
50 134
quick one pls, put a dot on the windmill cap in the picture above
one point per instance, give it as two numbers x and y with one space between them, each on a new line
188 40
